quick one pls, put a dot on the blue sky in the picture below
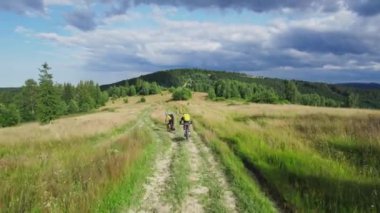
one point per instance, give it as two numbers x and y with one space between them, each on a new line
107 41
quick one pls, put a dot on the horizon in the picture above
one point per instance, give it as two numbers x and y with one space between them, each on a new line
109 41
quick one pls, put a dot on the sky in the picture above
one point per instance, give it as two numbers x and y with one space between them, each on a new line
111 40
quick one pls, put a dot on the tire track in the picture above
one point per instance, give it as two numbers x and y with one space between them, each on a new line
152 200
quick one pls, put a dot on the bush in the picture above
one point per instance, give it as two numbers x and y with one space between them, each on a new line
125 100
142 100
211 93
9 116
171 89
181 94
265 96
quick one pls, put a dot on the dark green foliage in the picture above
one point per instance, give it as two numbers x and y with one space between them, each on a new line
139 88
132 91
48 97
154 89
171 89
265 96
46 101
68 92
125 100
142 99
62 108
291 92
9 116
27 100
353 100
181 94
145 88
73 107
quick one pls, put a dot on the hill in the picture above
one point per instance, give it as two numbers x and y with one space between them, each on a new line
200 80
361 85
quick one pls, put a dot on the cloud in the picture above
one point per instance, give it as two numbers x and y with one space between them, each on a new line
313 44
120 6
364 7
83 20
335 42
22 6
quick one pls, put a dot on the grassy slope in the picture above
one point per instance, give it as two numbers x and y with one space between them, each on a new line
317 159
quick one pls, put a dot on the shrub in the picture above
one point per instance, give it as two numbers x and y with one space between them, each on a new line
211 93
125 100
171 89
181 94
142 100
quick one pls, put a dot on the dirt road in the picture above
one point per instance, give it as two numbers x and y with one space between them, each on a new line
186 178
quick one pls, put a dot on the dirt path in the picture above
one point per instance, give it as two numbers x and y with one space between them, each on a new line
186 178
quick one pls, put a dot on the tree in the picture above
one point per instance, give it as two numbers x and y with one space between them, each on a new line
73 107
265 96
62 108
132 91
9 116
68 92
291 92
28 100
211 93
353 100
145 89
48 98
139 84
154 89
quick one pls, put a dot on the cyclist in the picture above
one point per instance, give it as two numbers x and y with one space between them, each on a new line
169 120
186 122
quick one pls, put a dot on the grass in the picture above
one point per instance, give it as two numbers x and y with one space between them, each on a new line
213 200
316 159
178 183
62 169
128 191
250 197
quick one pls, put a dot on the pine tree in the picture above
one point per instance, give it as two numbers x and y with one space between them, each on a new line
291 92
48 98
28 100
73 107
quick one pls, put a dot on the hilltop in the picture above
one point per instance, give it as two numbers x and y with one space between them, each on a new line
200 80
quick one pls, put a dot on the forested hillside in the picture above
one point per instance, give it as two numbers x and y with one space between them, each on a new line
307 93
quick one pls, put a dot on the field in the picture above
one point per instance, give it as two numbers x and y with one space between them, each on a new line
240 158
306 158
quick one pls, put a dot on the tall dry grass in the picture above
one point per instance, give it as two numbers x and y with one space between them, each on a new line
60 167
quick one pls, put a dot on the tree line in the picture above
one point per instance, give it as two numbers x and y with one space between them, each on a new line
44 101
140 87
232 89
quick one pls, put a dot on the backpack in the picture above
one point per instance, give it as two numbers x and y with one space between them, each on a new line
186 117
